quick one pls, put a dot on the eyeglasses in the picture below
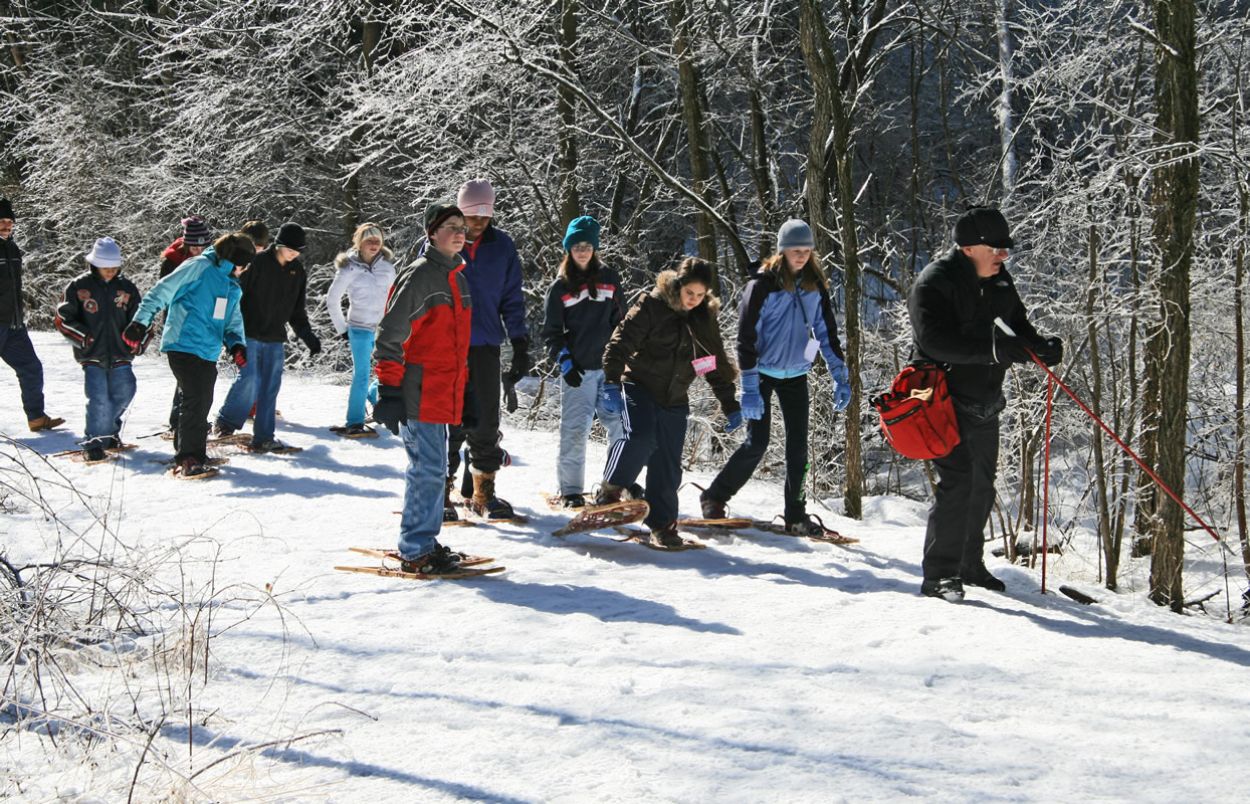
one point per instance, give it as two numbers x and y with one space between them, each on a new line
999 251
454 229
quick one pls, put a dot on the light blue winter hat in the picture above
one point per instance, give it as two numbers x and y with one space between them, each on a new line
105 253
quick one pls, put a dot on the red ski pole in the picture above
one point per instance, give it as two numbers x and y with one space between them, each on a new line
1114 437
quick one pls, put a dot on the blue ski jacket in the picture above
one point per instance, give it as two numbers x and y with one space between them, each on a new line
774 325
203 301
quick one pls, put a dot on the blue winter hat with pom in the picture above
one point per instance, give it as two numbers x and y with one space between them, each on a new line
582 230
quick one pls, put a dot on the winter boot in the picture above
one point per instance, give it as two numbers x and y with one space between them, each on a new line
94 455
636 491
572 501
712 509
484 502
608 494
44 422
439 561
980 576
804 526
950 589
194 469
667 536
449 508
223 429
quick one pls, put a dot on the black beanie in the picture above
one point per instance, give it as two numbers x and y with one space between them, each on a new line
437 214
291 235
983 226
6 209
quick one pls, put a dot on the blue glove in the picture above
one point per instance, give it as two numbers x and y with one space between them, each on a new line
569 368
752 402
735 421
613 399
841 384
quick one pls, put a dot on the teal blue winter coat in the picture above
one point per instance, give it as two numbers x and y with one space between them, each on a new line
202 296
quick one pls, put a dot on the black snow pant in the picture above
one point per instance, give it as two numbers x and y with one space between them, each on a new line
955 537
654 438
481 415
196 378
793 398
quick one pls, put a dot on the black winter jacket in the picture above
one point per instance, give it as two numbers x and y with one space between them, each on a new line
582 322
657 341
93 316
11 312
952 320
274 296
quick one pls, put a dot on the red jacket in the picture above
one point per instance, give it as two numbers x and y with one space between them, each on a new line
423 340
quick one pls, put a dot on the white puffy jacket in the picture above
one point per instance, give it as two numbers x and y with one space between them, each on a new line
366 287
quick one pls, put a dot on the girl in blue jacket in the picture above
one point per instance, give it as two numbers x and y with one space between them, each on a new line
203 301
785 318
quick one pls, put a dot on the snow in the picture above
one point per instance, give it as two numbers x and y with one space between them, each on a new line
763 668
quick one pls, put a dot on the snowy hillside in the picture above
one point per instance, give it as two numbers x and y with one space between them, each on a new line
763 668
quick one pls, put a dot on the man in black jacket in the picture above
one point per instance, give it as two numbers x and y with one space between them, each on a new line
274 289
953 308
15 346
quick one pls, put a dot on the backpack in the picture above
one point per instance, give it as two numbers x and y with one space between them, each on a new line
917 413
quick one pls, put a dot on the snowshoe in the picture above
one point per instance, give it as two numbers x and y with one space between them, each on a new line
355 431
193 469
273 447
594 517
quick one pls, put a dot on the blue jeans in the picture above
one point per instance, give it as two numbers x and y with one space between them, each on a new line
422 517
361 342
17 350
109 391
258 383
578 407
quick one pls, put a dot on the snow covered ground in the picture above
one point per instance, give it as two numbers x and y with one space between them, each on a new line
761 669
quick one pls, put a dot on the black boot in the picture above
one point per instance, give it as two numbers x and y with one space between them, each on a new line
438 561
951 589
667 536
980 576
712 508
449 508
609 494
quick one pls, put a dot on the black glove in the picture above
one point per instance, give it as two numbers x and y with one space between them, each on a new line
311 341
390 412
1049 350
1010 349
569 368
509 396
520 360
134 335
238 353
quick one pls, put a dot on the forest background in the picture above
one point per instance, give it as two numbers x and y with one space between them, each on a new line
1112 135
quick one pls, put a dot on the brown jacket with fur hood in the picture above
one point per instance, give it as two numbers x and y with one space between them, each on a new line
657 341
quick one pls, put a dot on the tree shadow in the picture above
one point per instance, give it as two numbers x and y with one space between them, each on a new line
208 738
1100 626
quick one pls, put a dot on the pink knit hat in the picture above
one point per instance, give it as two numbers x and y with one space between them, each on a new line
477 197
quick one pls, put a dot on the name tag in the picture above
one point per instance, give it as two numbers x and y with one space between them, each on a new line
811 350
702 365
219 309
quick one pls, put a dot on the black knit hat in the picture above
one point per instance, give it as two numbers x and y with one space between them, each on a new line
983 226
291 235
437 214
6 209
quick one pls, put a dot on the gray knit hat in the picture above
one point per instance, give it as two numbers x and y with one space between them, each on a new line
794 233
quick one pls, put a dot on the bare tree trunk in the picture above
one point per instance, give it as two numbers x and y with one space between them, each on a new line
1239 464
1006 119
1175 201
566 108
692 117
1110 550
371 34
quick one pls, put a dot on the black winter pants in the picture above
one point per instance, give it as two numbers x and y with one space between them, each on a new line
793 399
654 438
481 415
196 378
965 495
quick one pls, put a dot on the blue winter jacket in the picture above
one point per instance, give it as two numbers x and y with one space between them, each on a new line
203 301
774 325
493 271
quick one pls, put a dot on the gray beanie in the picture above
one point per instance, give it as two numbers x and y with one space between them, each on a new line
794 233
